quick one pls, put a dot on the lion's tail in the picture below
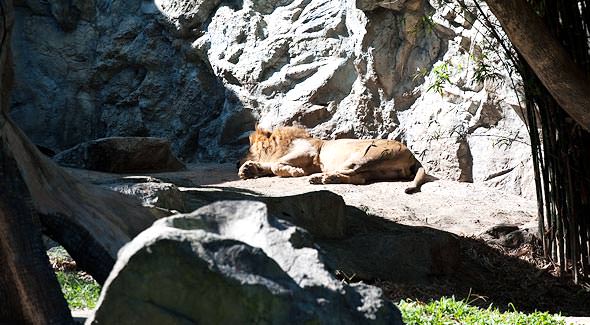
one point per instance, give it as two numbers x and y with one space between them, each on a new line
420 178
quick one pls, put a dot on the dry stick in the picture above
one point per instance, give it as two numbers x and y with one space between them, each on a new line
583 248
550 196
587 251
560 192
554 192
544 166
536 154
572 221
585 236
558 210
578 44
584 220
537 158
565 200
585 14
548 188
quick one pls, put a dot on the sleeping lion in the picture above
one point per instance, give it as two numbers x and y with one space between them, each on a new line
293 152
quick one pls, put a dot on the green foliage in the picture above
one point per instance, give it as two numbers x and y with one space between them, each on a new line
426 24
441 77
450 311
420 74
59 257
485 71
79 289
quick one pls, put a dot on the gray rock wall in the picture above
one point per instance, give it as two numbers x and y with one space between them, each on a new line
202 72
113 71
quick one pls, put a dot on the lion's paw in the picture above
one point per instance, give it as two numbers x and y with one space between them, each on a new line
248 170
331 179
297 172
316 179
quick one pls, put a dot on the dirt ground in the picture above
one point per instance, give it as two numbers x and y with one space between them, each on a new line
492 274
465 209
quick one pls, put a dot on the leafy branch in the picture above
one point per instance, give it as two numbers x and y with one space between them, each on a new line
441 77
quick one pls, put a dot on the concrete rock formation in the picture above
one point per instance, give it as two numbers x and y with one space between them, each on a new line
114 71
202 73
230 262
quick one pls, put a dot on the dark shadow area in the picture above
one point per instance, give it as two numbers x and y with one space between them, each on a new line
425 263
138 77
490 277
485 276
206 174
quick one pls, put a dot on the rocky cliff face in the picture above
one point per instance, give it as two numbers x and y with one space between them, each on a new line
202 73
90 69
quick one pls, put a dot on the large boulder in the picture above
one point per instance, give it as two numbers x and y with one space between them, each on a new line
230 262
122 155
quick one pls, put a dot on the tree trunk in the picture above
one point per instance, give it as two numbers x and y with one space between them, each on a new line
90 222
29 291
563 78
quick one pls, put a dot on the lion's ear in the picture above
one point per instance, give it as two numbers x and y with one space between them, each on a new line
259 135
254 137
262 132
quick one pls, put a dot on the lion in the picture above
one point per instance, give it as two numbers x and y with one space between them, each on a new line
293 152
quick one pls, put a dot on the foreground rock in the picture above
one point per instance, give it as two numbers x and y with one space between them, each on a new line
230 262
122 155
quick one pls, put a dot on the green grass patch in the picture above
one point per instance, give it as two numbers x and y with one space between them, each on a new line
79 289
450 311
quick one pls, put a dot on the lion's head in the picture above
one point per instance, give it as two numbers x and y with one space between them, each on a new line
270 146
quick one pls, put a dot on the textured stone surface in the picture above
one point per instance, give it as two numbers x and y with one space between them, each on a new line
115 71
122 155
151 191
231 263
203 72
322 213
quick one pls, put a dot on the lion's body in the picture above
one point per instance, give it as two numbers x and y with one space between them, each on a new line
292 152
